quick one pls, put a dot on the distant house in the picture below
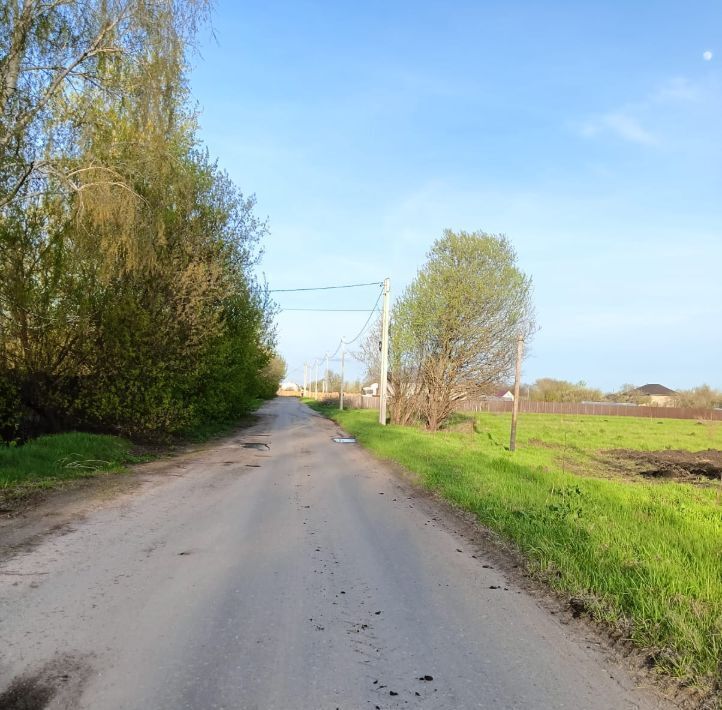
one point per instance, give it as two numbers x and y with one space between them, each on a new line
659 395
289 387
372 390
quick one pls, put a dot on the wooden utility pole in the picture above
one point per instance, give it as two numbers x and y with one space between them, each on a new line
515 403
325 378
315 384
305 378
384 353
340 394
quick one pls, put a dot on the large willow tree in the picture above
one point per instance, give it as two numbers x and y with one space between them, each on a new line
127 295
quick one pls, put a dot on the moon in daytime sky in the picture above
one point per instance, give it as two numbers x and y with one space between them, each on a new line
707 56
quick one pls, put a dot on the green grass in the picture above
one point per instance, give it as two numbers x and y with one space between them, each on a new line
646 557
49 460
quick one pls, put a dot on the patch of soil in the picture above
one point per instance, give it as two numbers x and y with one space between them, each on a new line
670 464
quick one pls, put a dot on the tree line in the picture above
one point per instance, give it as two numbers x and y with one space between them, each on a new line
548 389
128 300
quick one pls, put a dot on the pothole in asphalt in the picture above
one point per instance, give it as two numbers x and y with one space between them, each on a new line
344 439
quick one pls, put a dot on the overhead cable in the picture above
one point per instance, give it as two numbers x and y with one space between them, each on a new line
360 333
324 288
328 310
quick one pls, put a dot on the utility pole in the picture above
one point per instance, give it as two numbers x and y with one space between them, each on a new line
340 394
305 378
384 353
515 403
315 384
325 379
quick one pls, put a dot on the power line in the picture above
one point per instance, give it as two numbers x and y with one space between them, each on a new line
360 333
329 310
324 288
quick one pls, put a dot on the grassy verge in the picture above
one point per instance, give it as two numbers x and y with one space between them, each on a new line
643 557
48 461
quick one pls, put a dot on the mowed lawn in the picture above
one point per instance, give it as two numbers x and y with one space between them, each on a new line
643 556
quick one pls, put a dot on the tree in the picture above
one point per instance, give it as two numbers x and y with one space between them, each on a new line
128 300
548 389
702 397
454 329
628 394
271 376
58 59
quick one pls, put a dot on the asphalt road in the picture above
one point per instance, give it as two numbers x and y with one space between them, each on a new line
281 570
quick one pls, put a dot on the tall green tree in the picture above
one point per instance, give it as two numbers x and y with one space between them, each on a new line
128 300
455 326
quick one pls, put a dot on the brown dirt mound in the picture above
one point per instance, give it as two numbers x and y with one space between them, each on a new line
672 463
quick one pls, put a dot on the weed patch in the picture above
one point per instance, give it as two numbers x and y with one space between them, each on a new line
47 461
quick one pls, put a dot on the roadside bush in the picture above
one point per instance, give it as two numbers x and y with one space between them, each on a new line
10 410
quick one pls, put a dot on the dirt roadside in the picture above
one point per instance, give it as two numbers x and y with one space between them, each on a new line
26 521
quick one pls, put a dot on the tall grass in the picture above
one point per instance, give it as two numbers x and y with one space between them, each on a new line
644 557
49 459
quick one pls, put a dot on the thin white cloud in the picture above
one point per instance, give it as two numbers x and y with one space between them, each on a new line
620 124
628 122
707 56
676 90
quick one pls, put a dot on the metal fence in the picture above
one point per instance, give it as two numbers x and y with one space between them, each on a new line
357 401
350 401
606 410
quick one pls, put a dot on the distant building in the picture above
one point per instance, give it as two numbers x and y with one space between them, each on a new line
659 395
372 390
505 395
289 387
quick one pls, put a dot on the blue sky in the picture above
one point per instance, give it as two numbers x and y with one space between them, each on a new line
591 135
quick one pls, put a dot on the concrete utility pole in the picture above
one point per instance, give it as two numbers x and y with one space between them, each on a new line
515 403
315 385
384 353
340 394
325 379
305 378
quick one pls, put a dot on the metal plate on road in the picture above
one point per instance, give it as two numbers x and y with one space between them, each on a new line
344 440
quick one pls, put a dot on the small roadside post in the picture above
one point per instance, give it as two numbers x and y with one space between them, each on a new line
515 403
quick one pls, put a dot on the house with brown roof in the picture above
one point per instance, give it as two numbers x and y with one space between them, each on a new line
656 395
